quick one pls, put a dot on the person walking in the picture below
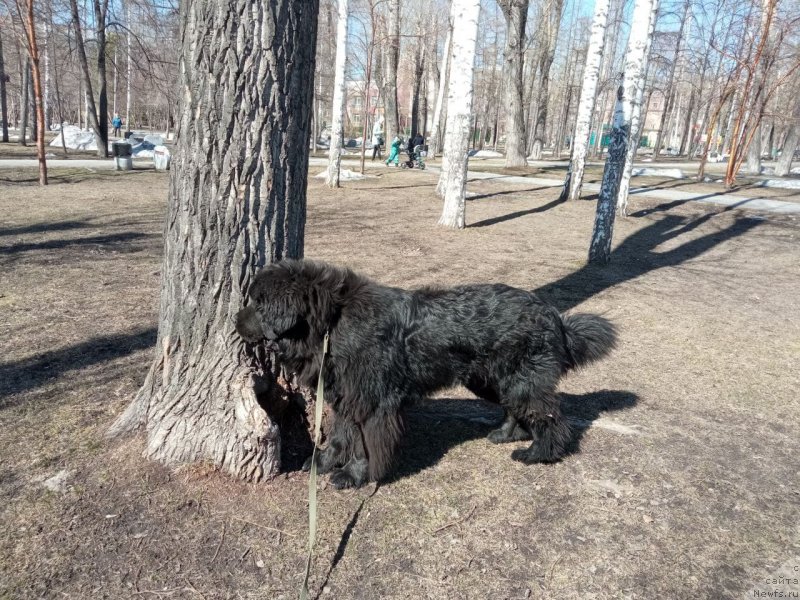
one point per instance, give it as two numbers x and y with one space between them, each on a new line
394 155
116 123
377 139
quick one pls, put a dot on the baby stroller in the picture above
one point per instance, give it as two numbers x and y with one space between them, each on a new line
416 158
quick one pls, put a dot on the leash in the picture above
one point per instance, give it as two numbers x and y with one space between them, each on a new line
312 476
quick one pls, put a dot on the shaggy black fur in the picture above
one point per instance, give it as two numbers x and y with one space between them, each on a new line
389 347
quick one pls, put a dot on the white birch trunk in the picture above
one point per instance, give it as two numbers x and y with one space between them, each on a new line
591 74
602 234
634 92
453 179
335 152
433 138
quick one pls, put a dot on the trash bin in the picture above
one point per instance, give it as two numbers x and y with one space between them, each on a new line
122 155
161 158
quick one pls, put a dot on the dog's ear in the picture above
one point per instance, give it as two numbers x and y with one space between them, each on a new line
279 320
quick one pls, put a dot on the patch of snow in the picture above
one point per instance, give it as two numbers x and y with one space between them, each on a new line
795 171
344 175
58 482
76 139
647 172
50 155
484 154
789 184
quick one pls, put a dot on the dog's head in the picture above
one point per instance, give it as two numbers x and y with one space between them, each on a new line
289 300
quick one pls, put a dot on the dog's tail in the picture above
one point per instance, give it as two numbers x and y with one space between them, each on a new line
589 337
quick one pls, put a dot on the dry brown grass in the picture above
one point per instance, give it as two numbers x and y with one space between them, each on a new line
684 482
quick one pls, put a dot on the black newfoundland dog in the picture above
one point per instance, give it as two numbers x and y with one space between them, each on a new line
389 347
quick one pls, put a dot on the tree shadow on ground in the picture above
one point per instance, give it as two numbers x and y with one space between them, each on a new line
505 193
43 228
436 426
29 373
637 255
119 240
518 214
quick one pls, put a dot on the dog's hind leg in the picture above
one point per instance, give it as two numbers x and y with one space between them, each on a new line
550 430
511 430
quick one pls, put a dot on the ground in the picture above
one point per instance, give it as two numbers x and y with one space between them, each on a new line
683 482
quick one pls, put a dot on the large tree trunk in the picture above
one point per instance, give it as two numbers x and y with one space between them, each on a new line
434 138
516 14
100 12
548 37
591 74
237 201
91 107
392 57
600 246
754 153
335 151
784 165
3 97
453 180
636 95
419 71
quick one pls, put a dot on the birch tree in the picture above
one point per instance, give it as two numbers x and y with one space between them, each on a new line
237 200
636 96
3 97
335 152
516 15
600 245
453 178
591 75
435 135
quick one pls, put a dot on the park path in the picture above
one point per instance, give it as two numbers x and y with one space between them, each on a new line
729 200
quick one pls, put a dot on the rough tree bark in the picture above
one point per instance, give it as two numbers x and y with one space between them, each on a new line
419 71
337 118
600 245
516 15
548 36
434 138
100 12
3 97
635 97
453 180
237 200
591 74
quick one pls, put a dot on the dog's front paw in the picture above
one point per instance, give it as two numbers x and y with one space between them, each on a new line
341 480
533 455
501 436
